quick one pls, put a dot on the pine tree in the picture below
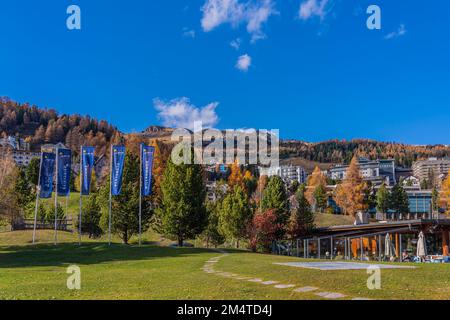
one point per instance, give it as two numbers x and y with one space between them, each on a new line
212 235
90 222
32 171
182 214
320 198
125 207
383 196
399 199
275 197
24 192
301 221
235 215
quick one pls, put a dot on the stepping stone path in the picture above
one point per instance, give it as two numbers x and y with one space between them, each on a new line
270 282
284 286
305 289
330 295
209 268
255 280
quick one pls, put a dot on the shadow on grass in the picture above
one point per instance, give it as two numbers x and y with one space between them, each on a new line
88 254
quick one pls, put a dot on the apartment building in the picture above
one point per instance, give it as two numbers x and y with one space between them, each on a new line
434 167
287 173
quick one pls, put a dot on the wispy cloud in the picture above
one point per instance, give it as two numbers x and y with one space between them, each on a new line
401 31
313 8
244 62
253 13
180 113
188 33
236 44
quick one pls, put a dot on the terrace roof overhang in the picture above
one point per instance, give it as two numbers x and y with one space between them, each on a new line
380 228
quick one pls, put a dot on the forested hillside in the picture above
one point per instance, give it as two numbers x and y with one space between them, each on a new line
41 126
341 151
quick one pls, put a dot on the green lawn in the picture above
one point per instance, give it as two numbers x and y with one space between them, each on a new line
156 272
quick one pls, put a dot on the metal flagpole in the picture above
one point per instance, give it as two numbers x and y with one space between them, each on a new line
56 195
67 205
38 190
110 196
81 195
140 198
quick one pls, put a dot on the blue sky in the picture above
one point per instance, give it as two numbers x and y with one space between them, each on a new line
315 73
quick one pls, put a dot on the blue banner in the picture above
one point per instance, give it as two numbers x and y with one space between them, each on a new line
147 154
46 175
64 170
118 159
87 164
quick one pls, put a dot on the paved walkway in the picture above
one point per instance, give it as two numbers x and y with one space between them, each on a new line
209 267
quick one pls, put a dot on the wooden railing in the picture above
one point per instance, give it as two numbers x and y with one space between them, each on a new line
28 224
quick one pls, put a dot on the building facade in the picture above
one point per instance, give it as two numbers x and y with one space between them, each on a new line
289 173
434 167
376 171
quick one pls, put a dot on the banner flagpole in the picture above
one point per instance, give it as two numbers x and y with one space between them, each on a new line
56 195
140 197
110 196
38 190
81 195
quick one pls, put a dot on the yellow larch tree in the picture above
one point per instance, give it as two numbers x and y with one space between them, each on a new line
350 194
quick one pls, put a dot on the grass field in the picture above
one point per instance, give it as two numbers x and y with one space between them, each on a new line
158 272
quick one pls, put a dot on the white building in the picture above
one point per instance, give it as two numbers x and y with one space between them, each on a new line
287 173
433 166
23 158
377 171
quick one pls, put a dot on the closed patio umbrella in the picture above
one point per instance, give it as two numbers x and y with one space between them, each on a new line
421 246
389 251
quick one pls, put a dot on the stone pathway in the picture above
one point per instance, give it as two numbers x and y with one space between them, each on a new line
211 263
305 289
331 295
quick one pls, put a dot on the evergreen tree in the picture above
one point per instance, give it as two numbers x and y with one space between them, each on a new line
383 197
320 198
301 221
211 235
125 207
235 215
275 197
32 171
435 199
90 222
24 192
399 199
182 214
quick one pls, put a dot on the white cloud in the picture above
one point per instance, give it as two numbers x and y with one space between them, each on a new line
244 62
188 33
312 8
236 44
253 13
180 113
401 31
